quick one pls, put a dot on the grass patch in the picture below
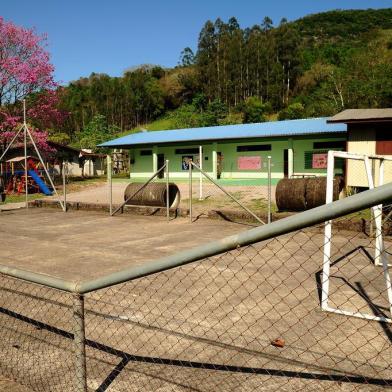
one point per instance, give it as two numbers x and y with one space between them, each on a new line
161 124
19 198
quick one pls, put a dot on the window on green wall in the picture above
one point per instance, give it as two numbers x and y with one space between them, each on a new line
145 153
340 144
318 160
254 147
187 151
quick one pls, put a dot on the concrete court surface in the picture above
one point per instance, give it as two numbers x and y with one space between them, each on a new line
80 245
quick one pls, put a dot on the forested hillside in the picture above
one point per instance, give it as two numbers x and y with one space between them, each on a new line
315 66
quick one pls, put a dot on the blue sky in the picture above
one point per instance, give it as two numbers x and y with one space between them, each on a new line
87 36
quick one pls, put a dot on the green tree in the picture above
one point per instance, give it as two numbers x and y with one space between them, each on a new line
187 57
255 110
96 132
294 111
217 110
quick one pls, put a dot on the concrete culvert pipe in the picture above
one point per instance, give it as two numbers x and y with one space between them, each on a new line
152 195
290 194
316 189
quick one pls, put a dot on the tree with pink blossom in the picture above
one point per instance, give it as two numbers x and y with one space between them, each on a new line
24 63
26 72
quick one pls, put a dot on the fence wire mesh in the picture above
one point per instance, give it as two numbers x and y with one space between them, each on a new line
249 319
245 320
36 335
231 203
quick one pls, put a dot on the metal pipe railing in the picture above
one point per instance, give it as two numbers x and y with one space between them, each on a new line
317 215
34 277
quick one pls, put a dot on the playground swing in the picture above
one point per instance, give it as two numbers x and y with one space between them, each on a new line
29 176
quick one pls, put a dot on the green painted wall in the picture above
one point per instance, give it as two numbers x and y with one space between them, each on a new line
139 163
143 165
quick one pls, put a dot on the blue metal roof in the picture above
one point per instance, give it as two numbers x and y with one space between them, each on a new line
238 131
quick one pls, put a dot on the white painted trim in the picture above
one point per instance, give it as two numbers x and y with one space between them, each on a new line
154 159
214 161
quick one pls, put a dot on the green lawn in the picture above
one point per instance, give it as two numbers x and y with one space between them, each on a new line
21 198
160 124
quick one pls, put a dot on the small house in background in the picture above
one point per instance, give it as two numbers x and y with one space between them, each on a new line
91 164
79 163
121 161
369 131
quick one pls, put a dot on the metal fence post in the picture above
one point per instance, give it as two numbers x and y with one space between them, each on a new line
26 168
25 156
64 188
79 344
200 173
110 185
167 191
190 191
269 189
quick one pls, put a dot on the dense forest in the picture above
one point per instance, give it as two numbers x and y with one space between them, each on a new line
314 66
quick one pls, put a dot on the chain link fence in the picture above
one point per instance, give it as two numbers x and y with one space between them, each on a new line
243 320
242 200
37 335
235 202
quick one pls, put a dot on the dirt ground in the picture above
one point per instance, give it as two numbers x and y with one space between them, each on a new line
204 327
253 197
11 386
98 192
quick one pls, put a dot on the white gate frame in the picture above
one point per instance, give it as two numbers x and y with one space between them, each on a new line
380 258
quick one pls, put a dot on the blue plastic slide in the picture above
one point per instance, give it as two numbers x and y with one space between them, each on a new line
42 186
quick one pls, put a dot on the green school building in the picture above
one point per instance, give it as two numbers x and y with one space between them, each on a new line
296 148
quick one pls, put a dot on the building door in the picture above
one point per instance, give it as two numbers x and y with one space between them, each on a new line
286 163
161 162
383 141
219 164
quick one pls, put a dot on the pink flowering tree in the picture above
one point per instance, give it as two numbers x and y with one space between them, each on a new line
26 72
24 63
